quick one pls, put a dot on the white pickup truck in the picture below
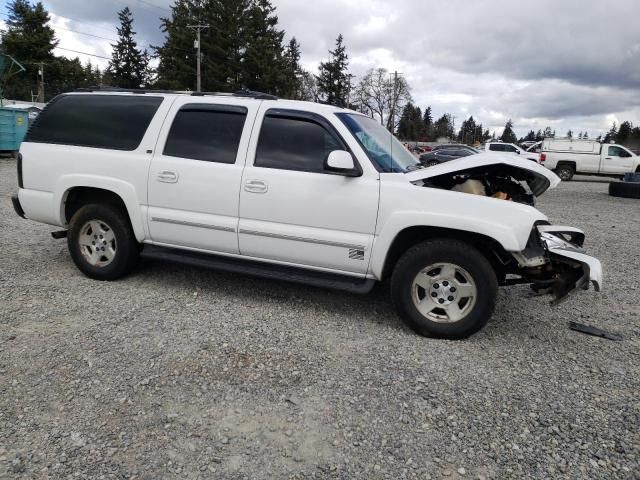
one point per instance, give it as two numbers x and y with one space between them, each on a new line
567 157
295 191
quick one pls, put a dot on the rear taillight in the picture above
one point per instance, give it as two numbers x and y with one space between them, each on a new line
543 157
19 163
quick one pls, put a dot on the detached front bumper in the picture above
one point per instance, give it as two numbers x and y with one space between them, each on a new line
573 268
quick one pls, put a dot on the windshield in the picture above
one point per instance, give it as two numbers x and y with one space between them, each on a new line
384 150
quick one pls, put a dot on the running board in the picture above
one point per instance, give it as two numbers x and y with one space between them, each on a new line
260 269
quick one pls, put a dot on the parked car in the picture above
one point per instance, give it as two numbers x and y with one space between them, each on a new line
535 148
527 144
444 153
567 157
511 148
296 191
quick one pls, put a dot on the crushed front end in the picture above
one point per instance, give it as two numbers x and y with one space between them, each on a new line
554 262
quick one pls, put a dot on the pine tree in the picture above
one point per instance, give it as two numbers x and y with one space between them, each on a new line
569 134
428 124
129 65
624 132
539 136
508 135
612 134
293 71
333 79
29 39
585 136
264 66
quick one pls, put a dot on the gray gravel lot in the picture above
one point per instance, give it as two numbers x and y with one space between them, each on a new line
178 372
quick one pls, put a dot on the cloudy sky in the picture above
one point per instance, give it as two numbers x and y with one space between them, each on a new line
564 63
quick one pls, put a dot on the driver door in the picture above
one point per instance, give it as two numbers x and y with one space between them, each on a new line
617 160
293 210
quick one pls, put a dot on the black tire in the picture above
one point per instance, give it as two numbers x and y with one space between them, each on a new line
449 251
624 189
432 163
565 171
125 246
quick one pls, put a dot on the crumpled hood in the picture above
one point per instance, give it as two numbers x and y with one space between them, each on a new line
539 178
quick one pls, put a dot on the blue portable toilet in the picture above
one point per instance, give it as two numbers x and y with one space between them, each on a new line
14 123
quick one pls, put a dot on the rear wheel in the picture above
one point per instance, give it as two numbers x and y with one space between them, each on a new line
444 288
102 243
565 172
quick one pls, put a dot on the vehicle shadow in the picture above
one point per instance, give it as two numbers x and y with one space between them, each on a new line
376 305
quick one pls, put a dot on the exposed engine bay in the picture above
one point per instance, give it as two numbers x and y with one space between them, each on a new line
497 181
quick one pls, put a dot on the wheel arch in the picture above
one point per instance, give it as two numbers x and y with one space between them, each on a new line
74 193
409 236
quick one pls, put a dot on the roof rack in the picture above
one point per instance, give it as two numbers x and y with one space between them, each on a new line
239 93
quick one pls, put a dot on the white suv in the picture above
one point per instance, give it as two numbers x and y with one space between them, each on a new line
292 190
512 148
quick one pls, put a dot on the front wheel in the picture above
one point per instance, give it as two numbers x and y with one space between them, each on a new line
102 243
444 288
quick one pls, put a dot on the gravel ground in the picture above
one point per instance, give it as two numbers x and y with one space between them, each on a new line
177 372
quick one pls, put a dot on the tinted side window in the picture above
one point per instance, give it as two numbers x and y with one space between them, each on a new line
206 132
101 121
618 152
294 144
494 147
510 148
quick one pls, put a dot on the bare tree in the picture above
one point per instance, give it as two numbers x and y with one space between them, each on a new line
382 96
309 90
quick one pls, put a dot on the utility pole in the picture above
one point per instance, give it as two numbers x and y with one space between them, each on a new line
394 102
41 84
198 28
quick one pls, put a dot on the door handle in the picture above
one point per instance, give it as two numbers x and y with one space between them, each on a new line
607 158
167 177
255 186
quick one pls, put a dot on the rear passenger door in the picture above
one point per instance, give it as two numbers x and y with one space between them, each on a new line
195 174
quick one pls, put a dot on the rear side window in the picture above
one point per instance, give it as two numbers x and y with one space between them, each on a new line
206 132
116 122
291 143
496 147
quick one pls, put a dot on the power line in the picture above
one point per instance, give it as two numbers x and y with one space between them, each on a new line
83 53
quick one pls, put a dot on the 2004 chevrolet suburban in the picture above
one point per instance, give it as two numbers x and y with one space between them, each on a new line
297 191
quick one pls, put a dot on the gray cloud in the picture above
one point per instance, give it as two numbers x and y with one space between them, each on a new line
568 64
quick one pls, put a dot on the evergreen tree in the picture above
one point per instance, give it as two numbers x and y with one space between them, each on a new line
129 65
293 71
177 57
548 133
585 136
333 79
624 132
444 127
612 134
531 136
508 135
569 134
264 66
539 136
411 125
29 39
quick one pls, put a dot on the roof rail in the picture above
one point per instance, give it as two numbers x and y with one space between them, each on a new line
239 93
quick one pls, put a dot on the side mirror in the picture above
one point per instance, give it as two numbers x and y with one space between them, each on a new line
341 161
518 152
